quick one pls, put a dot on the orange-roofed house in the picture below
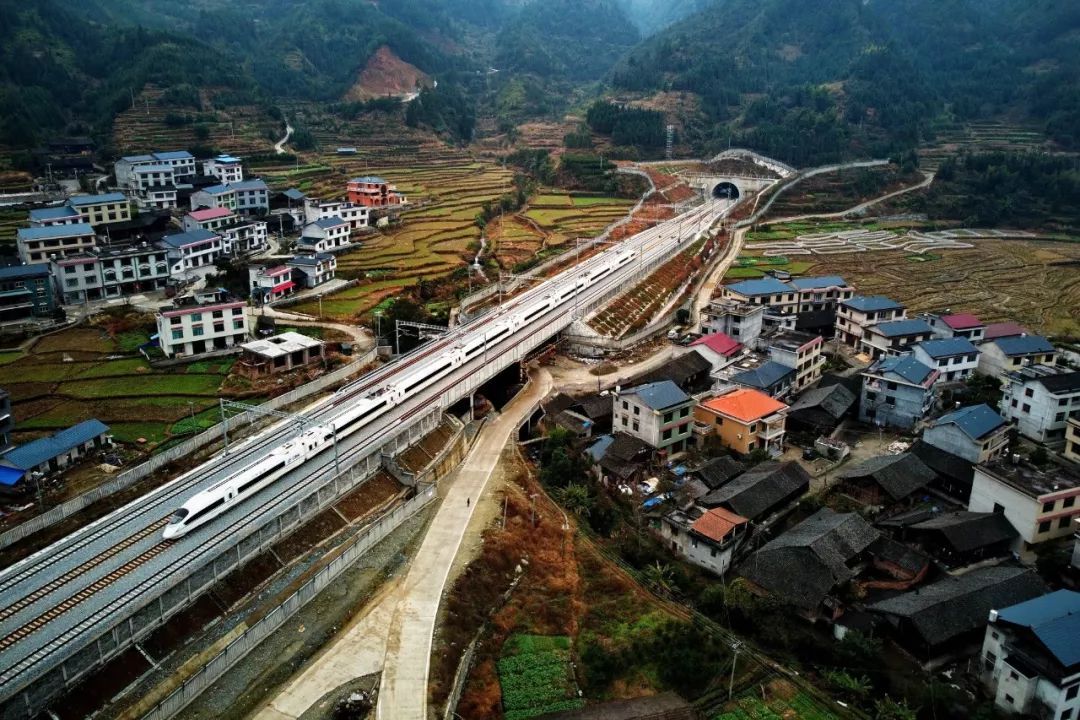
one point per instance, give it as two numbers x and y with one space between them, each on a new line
708 539
744 419
371 191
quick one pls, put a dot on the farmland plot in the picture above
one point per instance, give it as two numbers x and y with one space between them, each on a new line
536 677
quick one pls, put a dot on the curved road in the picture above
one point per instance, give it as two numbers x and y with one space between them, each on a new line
279 147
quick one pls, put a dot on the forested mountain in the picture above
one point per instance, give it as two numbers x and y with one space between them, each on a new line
812 82
653 15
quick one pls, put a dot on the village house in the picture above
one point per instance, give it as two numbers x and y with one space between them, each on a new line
959 325
41 244
619 459
760 491
1039 400
191 250
719 349
885 480
226 168
856 314
706 538
944 620
313 270
148 179
1031 657
658 413
280 353
212 219
995 331
101 209
325 235
809 564
26 292
961 538
1072 439
244 236
270 284
1006 354
690 371
897 392
954 473
799 351
355 216
54 453
821 409
1040 503
373 192
60 215
956 359
246 196
741 321
895 337
181 163
744 420
770 377
212 322
975 433
779 297
110 272
821 293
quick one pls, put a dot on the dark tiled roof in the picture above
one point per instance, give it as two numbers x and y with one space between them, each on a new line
595 406
803 565
764 376
945 464
906 558
966 531
898 475
1061 383
627 447
680 370
761 489
659 395
833 400
956 605
719 471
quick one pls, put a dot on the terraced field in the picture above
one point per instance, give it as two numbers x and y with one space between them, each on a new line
243 130
1034 282
985 136
67 378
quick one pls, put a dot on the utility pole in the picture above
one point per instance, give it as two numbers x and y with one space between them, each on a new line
735 647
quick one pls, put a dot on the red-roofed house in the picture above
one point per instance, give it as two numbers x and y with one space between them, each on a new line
744 419
719 349
708 539
957 325
211 219
1005 329
269 284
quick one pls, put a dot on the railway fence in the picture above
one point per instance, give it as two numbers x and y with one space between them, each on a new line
239 648
184 449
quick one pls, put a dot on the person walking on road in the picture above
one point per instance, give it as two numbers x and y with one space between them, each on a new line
467 501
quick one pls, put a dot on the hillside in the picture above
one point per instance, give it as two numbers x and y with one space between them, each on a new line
387 74
813 83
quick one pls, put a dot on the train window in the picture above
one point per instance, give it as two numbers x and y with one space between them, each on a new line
178 516
208 509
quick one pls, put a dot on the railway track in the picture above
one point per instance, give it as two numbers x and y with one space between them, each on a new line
58 641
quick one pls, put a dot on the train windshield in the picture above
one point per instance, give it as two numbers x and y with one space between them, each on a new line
178 516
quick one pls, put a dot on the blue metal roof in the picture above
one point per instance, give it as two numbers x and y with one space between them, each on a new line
976 421
330 222
660 395
815 283
1054 619
217 189
54 231
16 272
252 184
898 328
764 286
174 155
369 179
9 477
188 238
949 347
907 368
226 159
77 200
872 303
764 376
53 213
597 449
154 168
1024 344
37 452
137 158
294 194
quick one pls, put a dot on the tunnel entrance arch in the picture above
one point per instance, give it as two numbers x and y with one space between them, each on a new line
725 190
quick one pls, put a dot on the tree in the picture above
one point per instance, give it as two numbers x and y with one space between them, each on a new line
578 499
889 709
661 576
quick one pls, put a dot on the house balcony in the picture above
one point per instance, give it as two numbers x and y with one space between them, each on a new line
772 432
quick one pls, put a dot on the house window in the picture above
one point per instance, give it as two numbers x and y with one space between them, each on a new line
999 509
1044 526
625 405
1063 523
197 330
1071 692
1048 506
1060 417
636 426
1014 403
891 386
685 412
1029 392
1009 699
238 324
890 400
668 417
991 660
1013 675
995 635
666 435
871 397
1066 714
1068 502
625 421
1025 408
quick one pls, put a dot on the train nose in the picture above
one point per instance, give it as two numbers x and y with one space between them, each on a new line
171 532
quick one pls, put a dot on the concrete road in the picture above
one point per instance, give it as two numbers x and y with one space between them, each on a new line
404 690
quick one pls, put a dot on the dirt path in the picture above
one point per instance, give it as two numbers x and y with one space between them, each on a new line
716 274
927 179
279 146
362 338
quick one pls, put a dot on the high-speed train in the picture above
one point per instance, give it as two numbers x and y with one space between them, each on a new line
227 493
